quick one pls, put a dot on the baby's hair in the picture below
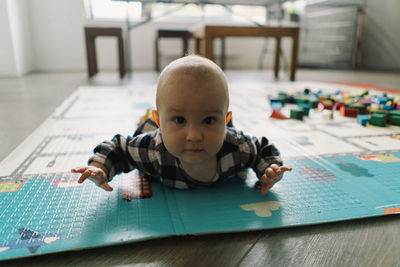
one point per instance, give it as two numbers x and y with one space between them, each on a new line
193 64
197 66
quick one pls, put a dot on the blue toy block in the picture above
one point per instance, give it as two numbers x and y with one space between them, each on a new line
276 105
362 119
305 107
383 100
380 100
386 107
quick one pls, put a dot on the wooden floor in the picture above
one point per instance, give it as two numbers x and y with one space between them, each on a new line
26 102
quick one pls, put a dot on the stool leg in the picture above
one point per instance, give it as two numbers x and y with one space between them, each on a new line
185 46
121 57
293 63
91 55
198 41
157 55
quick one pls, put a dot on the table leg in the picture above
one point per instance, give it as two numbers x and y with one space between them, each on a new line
157 55
121 58
277 56
208 47
293 62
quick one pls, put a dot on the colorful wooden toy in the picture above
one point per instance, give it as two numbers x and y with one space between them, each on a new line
395 120
349 112
378 119
338 105
362 119
326 104
361 108
313 103
305 107
277 114
296 114
327 114
276 105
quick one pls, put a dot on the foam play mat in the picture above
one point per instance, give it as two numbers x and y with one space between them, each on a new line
341 170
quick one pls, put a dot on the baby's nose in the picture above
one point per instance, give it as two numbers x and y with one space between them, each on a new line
193 134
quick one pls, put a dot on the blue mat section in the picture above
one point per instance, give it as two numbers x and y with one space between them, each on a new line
44 210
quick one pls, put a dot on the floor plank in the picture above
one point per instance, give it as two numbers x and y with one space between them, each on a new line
363 242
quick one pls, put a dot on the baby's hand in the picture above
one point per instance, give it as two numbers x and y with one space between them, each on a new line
272 174
95 174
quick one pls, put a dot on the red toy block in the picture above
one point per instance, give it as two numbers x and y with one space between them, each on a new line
325 105
277 114
338 105
349 112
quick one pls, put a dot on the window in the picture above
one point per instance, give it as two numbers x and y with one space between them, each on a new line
119 10
112 10
210 12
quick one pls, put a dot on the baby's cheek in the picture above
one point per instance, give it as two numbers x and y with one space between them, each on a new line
173 143
217 140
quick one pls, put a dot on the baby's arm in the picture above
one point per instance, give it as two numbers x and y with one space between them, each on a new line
96 172
109 158
266 163
272 174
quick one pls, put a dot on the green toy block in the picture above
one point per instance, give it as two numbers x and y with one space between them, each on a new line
300 100
305 108
395 120
296 114
282 94
378 119
394 112
282 99
313 103
361 108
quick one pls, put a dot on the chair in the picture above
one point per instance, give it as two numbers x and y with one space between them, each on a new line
163 33
90 35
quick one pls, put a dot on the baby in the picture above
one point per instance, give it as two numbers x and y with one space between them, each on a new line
187 144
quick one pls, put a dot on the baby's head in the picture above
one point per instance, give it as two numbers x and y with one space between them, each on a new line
192 108
195 73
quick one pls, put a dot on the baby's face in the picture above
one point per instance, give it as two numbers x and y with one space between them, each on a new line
192 115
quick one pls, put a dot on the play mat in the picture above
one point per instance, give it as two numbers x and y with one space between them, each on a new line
341 170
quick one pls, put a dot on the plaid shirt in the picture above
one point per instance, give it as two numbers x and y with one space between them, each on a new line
146 152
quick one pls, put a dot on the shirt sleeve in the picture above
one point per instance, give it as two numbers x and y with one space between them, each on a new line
266 154
114 155
124 154
257 153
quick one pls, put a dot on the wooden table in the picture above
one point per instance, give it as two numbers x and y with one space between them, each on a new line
207 33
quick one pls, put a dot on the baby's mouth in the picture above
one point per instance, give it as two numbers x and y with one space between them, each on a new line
194 150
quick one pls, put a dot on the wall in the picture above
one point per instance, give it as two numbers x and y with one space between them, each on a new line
15 47
57 31
381 36
7 59
19 25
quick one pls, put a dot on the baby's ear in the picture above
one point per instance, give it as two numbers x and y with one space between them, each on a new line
156 118
228 117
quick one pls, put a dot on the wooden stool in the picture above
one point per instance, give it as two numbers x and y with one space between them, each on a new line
183 34
90 34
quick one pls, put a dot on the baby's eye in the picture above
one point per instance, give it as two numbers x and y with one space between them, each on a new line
209 120
179 120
